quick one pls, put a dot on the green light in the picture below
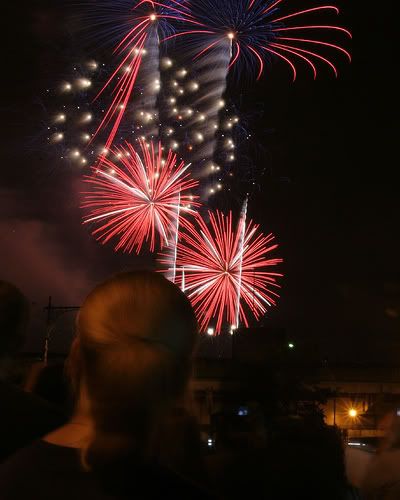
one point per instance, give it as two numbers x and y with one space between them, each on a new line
291 346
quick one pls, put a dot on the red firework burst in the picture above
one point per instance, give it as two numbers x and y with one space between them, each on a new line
224 270
143 200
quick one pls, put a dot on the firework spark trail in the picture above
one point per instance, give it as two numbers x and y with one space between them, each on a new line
176 240
242 230
123 93
183 281
215 262
137 202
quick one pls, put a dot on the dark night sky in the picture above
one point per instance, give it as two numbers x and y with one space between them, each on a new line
330 193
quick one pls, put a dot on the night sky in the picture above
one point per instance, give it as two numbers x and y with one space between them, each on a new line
329 192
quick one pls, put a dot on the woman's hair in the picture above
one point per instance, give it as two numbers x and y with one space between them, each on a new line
132 355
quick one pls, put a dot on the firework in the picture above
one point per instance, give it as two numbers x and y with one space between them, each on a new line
143 198
242 36
180 124
147 20
225 271
225 33
249 32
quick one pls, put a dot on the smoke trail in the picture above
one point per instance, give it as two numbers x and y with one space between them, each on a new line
213 71
146 106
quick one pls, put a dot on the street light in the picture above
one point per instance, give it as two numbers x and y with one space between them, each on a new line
353 413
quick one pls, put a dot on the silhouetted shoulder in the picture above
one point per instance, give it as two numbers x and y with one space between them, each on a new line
44 471
40 471
24 417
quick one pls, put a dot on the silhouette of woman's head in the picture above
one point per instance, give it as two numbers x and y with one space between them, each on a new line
131 359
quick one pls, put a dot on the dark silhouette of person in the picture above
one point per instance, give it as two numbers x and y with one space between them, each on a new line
300 460
24 417
129 366
51 384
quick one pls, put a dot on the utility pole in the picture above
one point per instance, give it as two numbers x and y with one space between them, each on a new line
47 338
50 323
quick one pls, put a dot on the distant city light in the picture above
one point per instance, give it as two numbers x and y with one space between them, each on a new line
243 411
